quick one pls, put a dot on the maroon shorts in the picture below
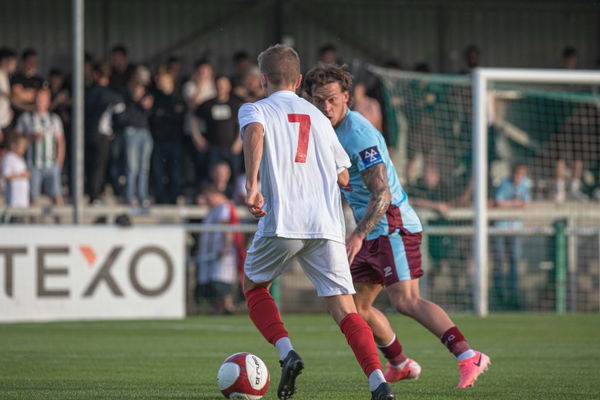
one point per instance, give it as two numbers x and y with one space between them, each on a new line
389 259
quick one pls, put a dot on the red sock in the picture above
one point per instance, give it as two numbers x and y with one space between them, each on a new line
393 352
455 341
265 315
360 338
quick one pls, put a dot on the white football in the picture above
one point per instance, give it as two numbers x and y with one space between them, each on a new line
243 376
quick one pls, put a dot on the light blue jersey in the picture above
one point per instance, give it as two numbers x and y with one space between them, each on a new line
507 190
366 147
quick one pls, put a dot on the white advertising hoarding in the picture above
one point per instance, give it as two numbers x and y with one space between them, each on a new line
66 272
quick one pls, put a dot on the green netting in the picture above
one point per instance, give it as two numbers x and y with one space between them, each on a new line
554 131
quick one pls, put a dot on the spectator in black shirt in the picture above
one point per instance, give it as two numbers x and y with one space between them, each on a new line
26 82
100 101
221 126
60 95
122 71
166 123
175 68
88 69
241 65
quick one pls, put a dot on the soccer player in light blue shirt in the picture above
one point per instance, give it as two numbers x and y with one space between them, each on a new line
383 250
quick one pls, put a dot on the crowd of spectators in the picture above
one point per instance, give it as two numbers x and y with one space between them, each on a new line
155 135
151 135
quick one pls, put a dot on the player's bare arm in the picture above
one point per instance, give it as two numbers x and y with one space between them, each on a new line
253 140
343 178
375 179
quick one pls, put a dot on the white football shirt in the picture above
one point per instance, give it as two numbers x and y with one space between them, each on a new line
17 190
301 159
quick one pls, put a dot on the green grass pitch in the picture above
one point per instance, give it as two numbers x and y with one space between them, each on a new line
534 357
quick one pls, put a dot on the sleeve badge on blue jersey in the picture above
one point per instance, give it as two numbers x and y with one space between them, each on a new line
370 156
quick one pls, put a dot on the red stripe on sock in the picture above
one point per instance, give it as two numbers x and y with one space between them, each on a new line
360 338
265 314
454 340
393 352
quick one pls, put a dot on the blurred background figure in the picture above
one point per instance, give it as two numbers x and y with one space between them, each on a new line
367 106
15 173
8 65
100 101
472 59
121 70
46 151
328 54
218 262
569 56
219 122
134 120
26 83
513 192
166 123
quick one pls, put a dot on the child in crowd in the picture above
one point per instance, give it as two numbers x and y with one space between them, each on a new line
15 173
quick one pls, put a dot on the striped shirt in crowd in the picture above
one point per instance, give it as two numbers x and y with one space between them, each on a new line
41 153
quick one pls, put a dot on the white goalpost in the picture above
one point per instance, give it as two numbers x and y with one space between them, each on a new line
482 77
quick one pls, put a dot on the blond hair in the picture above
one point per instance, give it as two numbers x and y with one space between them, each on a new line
280 64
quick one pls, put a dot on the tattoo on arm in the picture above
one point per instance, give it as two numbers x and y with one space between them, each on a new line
375 178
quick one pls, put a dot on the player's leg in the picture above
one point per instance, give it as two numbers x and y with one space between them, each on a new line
399 366
265 260
326 265
406 297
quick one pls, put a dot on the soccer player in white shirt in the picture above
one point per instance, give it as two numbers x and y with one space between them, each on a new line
294 148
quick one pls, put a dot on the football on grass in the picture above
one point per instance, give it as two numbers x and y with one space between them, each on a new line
243 376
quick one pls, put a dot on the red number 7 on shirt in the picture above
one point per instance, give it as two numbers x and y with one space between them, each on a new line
303 135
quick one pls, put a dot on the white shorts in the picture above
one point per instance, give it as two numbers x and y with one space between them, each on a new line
324 262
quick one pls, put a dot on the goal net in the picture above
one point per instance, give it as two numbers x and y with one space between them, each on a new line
542 164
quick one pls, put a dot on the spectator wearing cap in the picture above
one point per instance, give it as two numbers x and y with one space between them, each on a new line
201 85
241 64
175 68
472 57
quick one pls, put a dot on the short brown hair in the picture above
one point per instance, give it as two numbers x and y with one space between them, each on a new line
14 139
280 64
322 74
